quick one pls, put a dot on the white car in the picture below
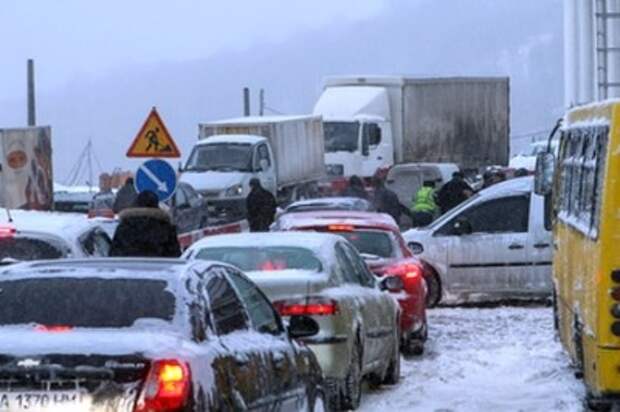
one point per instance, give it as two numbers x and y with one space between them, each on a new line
33 235
497 245
323 277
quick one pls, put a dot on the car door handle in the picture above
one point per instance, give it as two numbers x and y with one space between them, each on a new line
380 158
516 246
541 245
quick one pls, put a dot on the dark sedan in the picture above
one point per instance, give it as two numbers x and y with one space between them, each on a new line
148 335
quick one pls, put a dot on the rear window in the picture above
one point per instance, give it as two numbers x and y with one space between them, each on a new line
370 242
22 249
84 302
263 258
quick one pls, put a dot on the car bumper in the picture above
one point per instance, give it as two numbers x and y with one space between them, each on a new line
332 353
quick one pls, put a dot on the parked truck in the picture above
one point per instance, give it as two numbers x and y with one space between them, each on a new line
374 122
285 152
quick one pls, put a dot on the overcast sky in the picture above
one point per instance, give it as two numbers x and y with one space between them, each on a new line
101 65
76 38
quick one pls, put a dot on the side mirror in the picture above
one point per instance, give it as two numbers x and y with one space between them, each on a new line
462 227
302 327
543 180
392 284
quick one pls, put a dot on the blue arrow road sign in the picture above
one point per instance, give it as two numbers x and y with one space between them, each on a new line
158 177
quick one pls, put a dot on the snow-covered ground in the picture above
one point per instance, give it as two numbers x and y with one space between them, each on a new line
496 359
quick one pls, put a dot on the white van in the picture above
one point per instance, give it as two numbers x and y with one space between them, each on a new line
495 246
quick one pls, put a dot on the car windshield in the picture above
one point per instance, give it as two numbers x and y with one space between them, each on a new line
341 136
84 302
28 248
222 157
373 243
264 258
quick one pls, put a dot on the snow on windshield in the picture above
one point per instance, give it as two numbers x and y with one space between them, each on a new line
72 302
221 156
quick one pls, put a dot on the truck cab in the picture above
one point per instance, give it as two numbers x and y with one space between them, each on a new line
220 168
358 130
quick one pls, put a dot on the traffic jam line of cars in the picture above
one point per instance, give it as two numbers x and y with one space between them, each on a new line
294 319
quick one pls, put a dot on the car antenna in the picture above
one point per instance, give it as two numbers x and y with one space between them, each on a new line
8 213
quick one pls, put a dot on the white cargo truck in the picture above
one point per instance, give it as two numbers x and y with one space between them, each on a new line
374 122
285 152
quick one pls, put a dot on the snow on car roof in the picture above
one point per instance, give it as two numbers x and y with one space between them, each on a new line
518 185
165 269
319 243
65 225
260 120
335 201
325 217
234 138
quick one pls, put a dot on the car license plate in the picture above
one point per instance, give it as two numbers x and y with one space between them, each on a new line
42 401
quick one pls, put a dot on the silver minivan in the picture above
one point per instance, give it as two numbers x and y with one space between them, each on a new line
497 245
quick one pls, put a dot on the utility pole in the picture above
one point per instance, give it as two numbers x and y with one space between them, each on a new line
246 101
261 102
32 121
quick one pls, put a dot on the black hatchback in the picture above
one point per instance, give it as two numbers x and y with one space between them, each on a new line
142 335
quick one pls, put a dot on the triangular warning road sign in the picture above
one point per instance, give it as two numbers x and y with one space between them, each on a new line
153 140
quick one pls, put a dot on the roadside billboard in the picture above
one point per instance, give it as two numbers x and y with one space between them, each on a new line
26 168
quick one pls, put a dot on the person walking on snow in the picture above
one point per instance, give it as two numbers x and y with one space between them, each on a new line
261 207
424 207
386 201
145 231
356 188
126 196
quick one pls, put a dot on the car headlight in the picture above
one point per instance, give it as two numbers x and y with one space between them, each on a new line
234 191
416 248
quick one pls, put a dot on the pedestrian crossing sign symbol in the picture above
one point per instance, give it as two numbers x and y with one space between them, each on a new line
153 140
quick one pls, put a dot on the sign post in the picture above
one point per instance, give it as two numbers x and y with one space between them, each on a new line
158 177
154 141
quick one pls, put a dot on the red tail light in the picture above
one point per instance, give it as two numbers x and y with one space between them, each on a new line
409 272
53 328
306 307
340 228
166 388
7 231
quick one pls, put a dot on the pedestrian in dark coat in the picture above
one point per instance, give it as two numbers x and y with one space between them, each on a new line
126 196
261 207
145 231
453 193
386 201
356 188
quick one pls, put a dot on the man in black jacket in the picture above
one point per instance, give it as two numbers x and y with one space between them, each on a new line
145 231
386 201
261 207
453 193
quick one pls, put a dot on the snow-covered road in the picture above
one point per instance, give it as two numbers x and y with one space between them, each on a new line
496 359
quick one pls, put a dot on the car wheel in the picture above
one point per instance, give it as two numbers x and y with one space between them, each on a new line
433 294
318 403
414 345
393 373
597 405
353 382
